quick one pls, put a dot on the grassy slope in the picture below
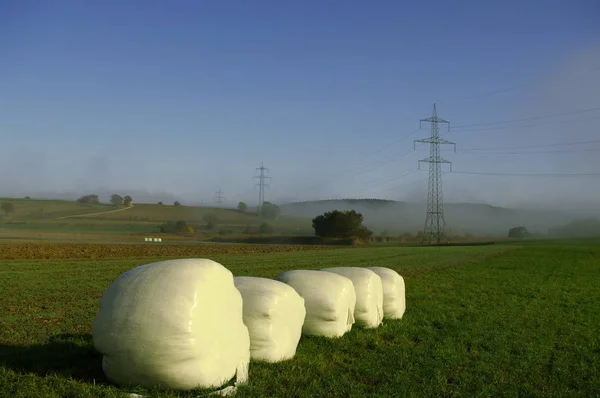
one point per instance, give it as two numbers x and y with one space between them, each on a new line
40 217
492 321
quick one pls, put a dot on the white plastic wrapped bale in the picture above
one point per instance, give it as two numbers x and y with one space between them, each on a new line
329 300
274 314
175 324
369 294
394 292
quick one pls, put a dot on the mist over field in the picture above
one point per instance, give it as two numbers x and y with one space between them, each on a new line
477 219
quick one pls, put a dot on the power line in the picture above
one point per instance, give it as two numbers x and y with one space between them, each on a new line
524 126
533 146
529 174
434 220
503 90
529 118
535 152
220 197
261 184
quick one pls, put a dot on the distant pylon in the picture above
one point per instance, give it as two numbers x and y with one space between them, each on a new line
220 197
261 184
434 221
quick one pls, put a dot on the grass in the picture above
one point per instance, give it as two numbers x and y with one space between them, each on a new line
500 320
43 217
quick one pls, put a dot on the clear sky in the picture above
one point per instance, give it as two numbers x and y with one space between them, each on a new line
162 99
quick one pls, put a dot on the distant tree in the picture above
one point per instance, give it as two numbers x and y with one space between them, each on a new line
127 200
270 210
176 227
27 198
341 224
116 200
518 232
176 203
160 203
89 199
242 206
266 228
7 207
211 221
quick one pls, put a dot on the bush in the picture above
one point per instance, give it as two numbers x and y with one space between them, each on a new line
341 224
89 199
270 210
518 232
211 221
7 207
266 228
176 227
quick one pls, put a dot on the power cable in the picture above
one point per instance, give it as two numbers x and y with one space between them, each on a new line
528 118
528 174
533 146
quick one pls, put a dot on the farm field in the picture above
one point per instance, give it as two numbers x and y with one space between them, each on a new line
51 219
498 320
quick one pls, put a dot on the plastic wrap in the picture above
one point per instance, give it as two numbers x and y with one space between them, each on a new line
175 324
394 293
274 314
329 300
369 294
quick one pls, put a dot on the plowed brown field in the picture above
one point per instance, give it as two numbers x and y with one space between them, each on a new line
15 251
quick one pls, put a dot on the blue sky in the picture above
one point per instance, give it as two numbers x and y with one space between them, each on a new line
183 98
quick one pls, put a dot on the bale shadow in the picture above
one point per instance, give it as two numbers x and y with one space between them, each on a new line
67 355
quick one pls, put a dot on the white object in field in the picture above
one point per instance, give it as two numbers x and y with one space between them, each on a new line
175 324
160 239
274 314
156 239
394 292
329 300
369 294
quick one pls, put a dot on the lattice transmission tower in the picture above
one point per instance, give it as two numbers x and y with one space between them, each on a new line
261 185
220 197
435 222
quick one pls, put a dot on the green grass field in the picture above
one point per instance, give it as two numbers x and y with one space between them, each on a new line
48 218
499 320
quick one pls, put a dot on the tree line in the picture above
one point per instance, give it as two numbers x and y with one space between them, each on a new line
115 199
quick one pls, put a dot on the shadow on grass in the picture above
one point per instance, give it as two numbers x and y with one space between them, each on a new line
67 355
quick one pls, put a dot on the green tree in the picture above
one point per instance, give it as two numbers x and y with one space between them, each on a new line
518 232
160 203
211 221
127 200
89 199
340 224
116 200
242 206
270 210
8 208
176 203
266 228
176 227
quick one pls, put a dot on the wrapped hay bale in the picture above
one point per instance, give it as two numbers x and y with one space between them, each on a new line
329 300
274 314
174 324
394 296
369 294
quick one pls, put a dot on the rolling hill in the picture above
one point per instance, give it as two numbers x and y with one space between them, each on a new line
399 217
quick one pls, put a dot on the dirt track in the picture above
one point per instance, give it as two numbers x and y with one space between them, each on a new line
15 251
